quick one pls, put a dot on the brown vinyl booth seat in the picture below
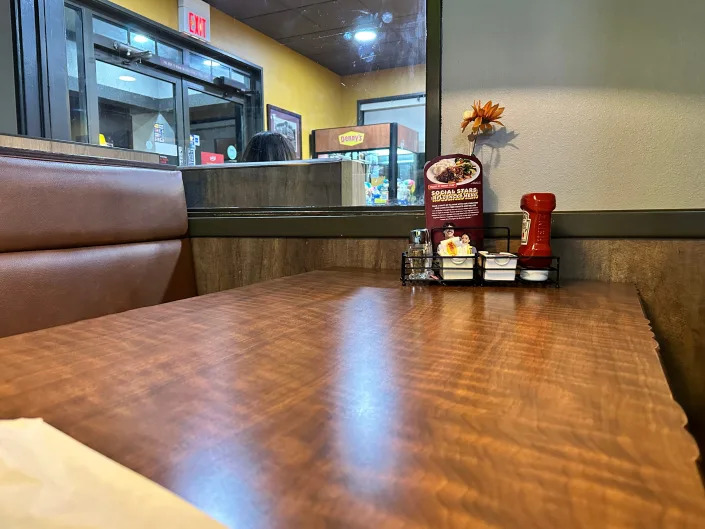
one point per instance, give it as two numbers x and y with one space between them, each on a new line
79 241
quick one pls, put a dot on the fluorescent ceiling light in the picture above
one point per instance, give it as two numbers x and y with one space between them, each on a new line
127 78
365 35
140 38
208 62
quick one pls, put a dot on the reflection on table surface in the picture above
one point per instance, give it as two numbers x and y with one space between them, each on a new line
344 399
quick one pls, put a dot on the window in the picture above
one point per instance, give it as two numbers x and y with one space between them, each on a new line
158 101
147 101
409 111
380 55
239 78
215 125
108 29
142 42
200 63
169 52
75 69
214 68
219 70
136 111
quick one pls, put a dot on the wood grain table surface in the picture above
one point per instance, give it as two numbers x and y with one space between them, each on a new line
342 399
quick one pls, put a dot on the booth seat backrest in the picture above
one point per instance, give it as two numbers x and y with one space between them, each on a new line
79 241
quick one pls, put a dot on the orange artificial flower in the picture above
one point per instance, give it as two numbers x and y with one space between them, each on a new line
482 117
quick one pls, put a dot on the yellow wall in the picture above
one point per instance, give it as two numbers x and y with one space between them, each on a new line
382 83
163 11
292 81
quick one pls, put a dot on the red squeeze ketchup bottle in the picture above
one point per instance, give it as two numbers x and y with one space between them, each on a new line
536 234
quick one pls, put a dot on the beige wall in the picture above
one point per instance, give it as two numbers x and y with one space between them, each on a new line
605 99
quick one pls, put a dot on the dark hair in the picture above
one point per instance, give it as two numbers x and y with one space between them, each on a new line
449 226
268 147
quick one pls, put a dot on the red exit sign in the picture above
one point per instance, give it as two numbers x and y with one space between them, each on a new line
197 25
194 18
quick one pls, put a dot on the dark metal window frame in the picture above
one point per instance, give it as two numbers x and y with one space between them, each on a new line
33 117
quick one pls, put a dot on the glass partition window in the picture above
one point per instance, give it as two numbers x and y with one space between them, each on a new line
136 111
75 68
373 111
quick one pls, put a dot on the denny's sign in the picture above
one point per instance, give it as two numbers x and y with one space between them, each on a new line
351 138
356 138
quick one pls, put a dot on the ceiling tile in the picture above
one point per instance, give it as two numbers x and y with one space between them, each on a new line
283 24
243 9
317 29
297 4
335 14
317 43
398 8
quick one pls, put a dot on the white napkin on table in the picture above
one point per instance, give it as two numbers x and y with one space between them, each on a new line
50 481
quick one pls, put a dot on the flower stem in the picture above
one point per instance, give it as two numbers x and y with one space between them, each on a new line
472 138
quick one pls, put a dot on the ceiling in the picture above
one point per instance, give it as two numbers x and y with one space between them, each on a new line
323 30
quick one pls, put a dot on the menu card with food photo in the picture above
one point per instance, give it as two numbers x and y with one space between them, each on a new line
453 196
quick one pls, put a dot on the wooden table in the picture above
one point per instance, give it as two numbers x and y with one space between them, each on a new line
341 399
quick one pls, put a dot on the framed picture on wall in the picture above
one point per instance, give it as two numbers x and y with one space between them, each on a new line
286 123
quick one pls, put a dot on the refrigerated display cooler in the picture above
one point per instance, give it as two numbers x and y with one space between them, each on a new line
389 152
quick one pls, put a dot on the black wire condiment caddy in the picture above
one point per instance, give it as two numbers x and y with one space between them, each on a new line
430 269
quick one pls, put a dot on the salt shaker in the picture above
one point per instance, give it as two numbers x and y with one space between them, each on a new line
420 254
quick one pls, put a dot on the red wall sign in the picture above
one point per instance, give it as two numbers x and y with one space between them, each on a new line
208 158
197 25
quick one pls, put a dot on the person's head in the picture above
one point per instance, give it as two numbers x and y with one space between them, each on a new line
268 147
465 238
448 230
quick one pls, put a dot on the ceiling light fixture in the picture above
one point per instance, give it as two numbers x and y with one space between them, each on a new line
140 38
365 35
127 78
208 62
